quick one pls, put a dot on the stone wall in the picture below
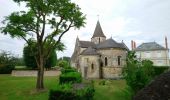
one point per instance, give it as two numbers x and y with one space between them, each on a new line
34 73
112 72
86 63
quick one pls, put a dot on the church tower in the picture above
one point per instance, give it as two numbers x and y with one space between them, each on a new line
98 35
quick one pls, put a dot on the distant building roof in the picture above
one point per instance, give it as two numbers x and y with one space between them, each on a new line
110 43
86 44
98 31
89 51
149 46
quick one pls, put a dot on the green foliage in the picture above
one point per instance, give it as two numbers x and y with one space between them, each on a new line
19 62
148 68
68 70
138 74
67 92
52 60
64 64
59 15
7 63
70 77
6 69
29 53
160 69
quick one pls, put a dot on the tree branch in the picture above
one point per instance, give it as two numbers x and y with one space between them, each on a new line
43 28
54 33
58 41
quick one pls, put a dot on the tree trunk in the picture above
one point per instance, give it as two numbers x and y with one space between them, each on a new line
40 74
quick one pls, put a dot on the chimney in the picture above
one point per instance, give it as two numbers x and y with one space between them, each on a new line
166 42
132 44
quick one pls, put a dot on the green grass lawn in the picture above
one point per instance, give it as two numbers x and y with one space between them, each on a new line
22 88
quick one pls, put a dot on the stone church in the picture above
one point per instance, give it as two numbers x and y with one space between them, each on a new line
100 57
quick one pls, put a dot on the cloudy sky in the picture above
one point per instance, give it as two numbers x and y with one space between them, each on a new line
139 20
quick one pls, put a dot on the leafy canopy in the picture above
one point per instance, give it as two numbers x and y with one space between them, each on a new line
59 15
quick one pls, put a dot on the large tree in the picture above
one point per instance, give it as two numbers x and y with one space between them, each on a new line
59 15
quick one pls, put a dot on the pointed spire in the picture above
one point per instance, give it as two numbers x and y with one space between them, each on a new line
98 31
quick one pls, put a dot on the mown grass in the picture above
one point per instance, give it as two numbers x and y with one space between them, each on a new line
23 88
112 90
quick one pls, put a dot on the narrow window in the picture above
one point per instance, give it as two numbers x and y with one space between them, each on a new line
92 66
118 59
105 61
99 40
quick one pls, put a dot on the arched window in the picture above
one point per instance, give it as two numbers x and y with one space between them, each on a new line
105 61
119 60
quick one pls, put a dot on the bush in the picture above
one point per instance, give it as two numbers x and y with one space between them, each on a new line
68 92
63 64
138 74
68 70
159 70
70 77
7 62
6 69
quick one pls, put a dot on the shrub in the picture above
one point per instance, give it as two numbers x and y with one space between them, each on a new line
138 74
6 69
68 92
71 77
160 69
7 62
68 70
63 64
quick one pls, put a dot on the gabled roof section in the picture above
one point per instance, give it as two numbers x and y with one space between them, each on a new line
110 43
89 51
86 44
149 46
98 31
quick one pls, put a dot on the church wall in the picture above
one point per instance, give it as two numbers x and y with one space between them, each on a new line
112 72
112 57
86 62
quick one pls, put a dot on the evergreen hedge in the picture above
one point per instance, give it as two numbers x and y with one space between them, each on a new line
70 77
68 92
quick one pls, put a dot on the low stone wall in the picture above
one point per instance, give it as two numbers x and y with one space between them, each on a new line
34 73
112 72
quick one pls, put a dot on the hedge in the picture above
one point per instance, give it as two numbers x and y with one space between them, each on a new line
160 69
70 77
6 69
70 93
68 70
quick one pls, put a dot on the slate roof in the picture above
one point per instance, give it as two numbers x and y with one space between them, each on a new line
98 31
89 51
149 46
110 43
86 44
